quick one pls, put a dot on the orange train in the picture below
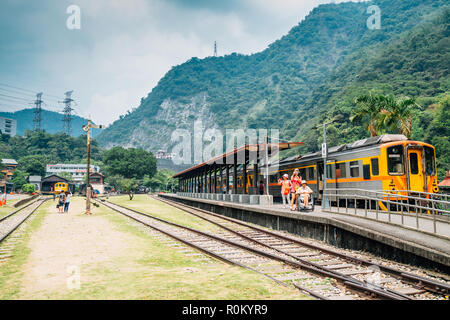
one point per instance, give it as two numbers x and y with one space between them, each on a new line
387 162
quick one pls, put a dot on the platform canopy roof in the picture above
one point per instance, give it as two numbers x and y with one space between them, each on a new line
244 150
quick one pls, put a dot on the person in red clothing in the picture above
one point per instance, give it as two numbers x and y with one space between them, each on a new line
295 184
285 184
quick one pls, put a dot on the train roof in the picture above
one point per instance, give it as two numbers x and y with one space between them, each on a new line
385 138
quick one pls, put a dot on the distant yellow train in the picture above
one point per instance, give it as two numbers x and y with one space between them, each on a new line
60 187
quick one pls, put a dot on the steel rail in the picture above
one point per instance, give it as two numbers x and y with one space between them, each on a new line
425 283
206 251
3 237
301 264
16 211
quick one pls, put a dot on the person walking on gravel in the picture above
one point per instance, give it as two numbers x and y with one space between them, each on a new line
67 201
61 201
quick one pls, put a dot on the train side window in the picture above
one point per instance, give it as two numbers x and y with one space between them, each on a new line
354 169
340 170
429 161
302 173
329 171
273 178
311 173
395 160
375 167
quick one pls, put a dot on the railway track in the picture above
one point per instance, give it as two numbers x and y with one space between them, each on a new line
383 277
281 266
11 222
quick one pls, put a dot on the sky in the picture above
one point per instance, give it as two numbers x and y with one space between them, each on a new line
124 47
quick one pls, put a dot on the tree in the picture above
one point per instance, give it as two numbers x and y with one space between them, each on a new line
396 114
19 178
368 111
33 164
162 180
129 163
129 186
114 181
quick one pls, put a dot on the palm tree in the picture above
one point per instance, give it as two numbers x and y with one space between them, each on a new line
369 106
396 114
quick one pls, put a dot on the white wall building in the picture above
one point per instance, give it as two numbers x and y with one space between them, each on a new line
78 171
8 126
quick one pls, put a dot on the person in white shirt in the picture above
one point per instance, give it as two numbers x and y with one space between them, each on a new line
304 192
67 201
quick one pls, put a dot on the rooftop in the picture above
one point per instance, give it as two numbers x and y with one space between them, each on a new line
246 149
9 161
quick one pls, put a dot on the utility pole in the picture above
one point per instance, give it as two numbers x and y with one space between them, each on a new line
215 49
87 129
266 140
67 119
325 203
37 112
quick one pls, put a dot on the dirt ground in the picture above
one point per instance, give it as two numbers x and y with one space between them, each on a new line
105 256
66 242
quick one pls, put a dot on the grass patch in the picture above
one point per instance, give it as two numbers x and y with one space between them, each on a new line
161 210
153 270
8 208
11 270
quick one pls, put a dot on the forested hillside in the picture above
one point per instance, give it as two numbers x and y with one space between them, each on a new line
51 121
312 73
417 65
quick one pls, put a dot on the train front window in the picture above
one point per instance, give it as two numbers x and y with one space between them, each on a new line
429 161
414 163
395 160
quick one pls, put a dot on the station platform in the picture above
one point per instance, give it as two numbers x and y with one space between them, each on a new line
402 243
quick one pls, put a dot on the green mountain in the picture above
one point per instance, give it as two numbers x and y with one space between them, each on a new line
310 74
51 122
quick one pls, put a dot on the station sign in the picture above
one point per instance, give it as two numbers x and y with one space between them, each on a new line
324 150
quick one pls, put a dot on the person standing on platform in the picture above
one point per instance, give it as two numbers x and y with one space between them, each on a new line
261 188
285 189
295 184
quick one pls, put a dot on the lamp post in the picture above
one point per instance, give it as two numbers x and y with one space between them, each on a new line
325 203
87 128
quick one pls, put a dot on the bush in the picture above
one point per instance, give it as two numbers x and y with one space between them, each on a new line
28 188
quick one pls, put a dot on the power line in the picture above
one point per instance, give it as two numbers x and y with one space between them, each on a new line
28 90
12 97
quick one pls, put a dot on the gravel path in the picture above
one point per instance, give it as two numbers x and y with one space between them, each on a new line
68 242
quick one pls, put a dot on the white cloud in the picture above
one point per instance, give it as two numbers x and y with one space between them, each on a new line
124 47
105 108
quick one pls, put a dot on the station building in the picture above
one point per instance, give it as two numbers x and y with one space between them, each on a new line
78 171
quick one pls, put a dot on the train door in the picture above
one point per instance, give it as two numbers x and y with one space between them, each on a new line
416 172
319 177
